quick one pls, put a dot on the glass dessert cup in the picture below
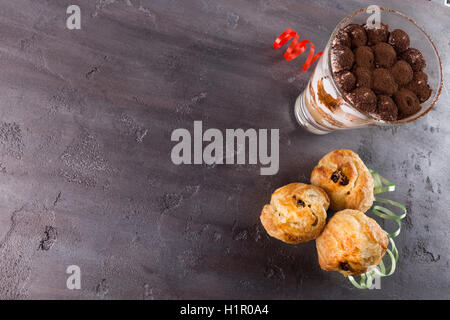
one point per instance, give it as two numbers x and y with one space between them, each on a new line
322 107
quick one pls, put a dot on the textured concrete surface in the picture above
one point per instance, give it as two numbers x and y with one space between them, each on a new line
85 170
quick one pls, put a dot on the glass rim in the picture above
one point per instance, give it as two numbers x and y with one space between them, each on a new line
343 94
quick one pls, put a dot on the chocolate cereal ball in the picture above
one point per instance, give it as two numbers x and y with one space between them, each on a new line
385 55
383 82
342 58
402 72
357 34
420 87
399 40
363 77
420 75
375 36
364 57
415 58
363 99
342 38
407 102
386 108
345 80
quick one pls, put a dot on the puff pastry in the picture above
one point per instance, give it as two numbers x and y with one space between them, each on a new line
351 243
297 213
346 179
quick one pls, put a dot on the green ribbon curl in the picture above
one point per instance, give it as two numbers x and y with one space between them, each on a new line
382 185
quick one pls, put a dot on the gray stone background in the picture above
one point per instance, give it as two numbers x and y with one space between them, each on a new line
85 170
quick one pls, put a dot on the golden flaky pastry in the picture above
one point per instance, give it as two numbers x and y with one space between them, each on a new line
296 213
351 243
346 179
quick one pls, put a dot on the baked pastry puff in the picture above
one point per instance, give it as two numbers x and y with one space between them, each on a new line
351 243
296 213
346 179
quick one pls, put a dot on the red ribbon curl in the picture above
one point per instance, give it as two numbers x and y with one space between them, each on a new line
296 48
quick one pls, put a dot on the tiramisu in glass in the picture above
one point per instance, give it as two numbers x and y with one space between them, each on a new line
384 76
